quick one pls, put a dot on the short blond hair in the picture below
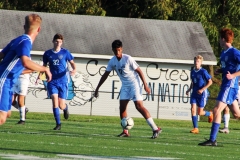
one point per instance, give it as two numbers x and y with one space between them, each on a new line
32 22
198 57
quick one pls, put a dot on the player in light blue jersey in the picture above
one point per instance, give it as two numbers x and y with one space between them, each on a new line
230 61
15 57
57 59
201 80
130 75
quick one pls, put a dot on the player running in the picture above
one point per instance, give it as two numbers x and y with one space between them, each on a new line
201 80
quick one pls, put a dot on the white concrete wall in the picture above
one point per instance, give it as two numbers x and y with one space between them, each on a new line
166 81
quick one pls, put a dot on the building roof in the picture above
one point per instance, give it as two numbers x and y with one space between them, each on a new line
91 36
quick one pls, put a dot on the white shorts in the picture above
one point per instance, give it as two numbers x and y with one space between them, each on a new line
131 93
21 86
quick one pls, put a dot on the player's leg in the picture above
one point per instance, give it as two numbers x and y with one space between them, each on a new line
226 119
62 95
194 118
53 92
235 109
226 95
123 114
14 101
22 109
201 102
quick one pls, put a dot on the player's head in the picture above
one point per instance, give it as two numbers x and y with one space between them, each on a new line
117 48
226 36
57 40
32 24
198 61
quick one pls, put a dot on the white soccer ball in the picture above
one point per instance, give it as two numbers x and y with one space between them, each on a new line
127 123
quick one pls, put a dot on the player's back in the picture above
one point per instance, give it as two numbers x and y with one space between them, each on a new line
11 66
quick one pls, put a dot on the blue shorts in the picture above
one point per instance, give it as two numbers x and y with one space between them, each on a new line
58 88
6 94
199 101
227 95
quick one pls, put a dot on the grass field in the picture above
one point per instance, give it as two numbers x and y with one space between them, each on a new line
94 137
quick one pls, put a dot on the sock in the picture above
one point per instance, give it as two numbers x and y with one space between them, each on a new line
56 114
66 108
214 131
226 120
22 113
207 113
152 124
195 121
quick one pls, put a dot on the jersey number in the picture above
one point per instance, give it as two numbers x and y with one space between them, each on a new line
56 62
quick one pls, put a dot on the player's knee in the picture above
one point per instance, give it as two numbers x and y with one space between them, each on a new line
2 120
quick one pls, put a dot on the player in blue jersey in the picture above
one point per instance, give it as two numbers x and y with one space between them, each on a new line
57 59
230 61
130 75
201 80
15 57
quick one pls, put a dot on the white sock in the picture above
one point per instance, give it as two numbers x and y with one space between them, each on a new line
152 124
22 113
226 120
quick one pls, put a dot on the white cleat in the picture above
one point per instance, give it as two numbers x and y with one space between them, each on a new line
224 130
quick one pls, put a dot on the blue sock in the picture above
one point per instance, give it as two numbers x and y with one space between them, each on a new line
66 107
195 121
214 131
207 113
56 114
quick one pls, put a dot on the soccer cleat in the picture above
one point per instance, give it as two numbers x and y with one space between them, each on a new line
58 127
210 118
208 143
21 122
65 112
156 133
124 134
195 131
224 130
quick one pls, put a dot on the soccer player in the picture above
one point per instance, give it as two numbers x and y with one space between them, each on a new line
57 59
230 60
19 92
201 80
130 74
15 57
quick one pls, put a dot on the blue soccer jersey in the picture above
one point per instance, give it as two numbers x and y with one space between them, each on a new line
199 80
230 62
58 64
11 65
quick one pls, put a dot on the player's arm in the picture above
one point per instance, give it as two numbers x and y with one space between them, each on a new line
231 76
73 65
102 80
140 73
209 83
29 64
26 71
189 89
1 56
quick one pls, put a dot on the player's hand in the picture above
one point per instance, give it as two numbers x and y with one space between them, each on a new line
200 91
72 72
187 92
49 75
147 89
229 76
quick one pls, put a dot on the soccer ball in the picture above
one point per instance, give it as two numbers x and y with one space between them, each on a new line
127 123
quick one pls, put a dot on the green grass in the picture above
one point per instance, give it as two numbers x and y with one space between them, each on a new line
96 136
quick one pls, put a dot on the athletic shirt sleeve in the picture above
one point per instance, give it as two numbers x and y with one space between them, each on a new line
206 75
45 58
236 54
133 63
7 48
24 48
110 65
69 56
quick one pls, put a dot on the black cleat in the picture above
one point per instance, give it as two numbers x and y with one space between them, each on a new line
21 122
58 127
156 133
208 143
65 112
